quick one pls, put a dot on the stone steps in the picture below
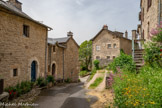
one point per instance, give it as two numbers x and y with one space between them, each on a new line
138 58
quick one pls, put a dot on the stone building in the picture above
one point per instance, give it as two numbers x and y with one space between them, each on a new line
106 45
23 44
150 15
63 58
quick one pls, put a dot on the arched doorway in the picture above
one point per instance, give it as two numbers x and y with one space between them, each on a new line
33 71
53 70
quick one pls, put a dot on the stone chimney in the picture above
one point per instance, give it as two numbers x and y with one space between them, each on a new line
134 34
70 33
15 3
126 34
105 27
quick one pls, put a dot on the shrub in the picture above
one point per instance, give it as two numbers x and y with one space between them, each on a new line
41 82
50 78
83 73
139 90
123 61
68 80
96 63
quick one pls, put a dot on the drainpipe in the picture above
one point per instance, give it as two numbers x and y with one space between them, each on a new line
159 11
63 64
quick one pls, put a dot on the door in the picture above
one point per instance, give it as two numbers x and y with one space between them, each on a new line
33 71
53 70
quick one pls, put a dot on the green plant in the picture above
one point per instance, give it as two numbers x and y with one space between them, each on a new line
50 78
68 80
92 73
96 64
83 73
142 90
96 82
123 61
41 82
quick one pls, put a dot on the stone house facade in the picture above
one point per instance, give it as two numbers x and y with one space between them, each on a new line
106 45
23 44
63 58
150 15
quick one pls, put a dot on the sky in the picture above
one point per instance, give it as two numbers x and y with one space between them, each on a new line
85 18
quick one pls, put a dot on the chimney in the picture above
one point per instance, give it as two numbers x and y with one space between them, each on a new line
134 34
70 33
126 34
15 3
105 27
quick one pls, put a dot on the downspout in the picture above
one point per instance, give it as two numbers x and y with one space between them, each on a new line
63 64
159 11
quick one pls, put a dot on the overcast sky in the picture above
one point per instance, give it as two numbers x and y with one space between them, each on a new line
84 18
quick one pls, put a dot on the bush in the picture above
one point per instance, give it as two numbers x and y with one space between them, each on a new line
41 82
123 61
83 73
50 79
96 64
68 80
139 90
20 89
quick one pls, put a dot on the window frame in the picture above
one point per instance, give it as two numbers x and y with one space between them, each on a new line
108 57
26 30
97 57
98 48
115 45
54 49
108 46
15 74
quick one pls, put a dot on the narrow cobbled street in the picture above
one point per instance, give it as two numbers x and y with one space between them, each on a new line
67 96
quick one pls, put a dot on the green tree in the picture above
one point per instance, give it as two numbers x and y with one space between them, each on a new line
85 54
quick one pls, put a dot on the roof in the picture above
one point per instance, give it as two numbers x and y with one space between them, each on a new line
115 33
59 40
18 12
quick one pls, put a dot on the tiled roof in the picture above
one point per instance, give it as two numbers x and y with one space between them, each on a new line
18 12
59 40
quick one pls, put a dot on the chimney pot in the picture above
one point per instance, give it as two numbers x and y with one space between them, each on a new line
126 34
16 3
70 33
105 27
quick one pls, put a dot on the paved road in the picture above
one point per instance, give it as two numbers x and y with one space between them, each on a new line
69 96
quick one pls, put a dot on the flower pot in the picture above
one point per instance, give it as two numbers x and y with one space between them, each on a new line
1 85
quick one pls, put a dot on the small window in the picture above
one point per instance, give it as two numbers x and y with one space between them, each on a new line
108 57
113 57
54 49
97 48
98 57
109 46
149 3
26 30
15 72
114 45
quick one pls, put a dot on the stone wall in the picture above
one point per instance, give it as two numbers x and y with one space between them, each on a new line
103 40
71 61
126 45
151 17
18 51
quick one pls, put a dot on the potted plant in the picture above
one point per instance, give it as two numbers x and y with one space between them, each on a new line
1 85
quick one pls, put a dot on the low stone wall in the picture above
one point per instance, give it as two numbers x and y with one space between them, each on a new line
104 62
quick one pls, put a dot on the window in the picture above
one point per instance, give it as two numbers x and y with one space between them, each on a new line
26 30
108 57
54 49
114 45
97 48
109 46
15 72
149 3
97 57
113 57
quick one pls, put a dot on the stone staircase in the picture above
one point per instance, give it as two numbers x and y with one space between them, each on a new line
138 58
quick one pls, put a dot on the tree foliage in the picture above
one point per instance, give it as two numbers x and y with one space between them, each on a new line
85 54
